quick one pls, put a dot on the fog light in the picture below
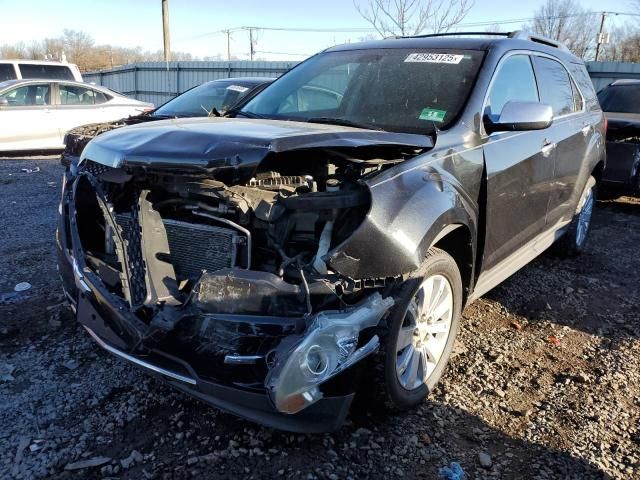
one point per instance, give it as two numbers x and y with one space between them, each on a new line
327 348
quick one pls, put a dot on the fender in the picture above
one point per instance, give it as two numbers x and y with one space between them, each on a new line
409 213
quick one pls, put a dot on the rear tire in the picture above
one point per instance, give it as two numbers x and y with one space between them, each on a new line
573 242
422 330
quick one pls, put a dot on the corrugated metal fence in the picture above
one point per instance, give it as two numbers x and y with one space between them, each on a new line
158 82
603 73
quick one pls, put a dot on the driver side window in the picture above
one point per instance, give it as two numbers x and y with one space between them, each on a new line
515 81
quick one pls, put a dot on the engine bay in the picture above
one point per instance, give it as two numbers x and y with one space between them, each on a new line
161 237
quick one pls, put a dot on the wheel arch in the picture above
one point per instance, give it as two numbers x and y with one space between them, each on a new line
457 241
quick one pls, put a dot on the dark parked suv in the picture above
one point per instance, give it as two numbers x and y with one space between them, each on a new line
265 261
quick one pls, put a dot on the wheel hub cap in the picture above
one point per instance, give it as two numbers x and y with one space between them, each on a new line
424 332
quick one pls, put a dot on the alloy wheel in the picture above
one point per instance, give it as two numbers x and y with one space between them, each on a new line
424 332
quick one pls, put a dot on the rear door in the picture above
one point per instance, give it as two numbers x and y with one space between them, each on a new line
75 107
519 166
570 133
27 119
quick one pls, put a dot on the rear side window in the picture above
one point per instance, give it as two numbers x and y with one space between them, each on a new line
555 86
101 97
74 95
57 72
7 72
585 85
514 82
578 102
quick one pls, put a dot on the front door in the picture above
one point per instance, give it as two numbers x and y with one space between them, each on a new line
519 167
26 119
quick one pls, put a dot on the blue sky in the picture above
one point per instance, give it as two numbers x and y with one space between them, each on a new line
138 22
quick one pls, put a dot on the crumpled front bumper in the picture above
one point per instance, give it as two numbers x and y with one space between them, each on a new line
104 324
115 328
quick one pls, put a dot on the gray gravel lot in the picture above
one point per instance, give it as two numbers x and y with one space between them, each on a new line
545 381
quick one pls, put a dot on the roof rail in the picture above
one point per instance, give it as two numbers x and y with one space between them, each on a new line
456 34
524 35
518 34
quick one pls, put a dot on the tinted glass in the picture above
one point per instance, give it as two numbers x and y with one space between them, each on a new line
621 99
578 102
58 72
514 82
29 95
201 100
555 86
392 89
101 97
73 95
585 84
7 72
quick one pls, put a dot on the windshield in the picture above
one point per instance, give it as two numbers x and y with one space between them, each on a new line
200 100
398 90
620 99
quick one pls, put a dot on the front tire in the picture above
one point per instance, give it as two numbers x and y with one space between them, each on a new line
422 330
573 242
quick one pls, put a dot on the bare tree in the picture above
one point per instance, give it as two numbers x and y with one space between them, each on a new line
567 22
412 17
624 44
79 48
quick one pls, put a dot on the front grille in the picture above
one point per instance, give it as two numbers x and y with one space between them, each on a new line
93 168
130 231
197 247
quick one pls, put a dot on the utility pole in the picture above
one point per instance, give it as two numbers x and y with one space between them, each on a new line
601 36
251 43
228 32
165 30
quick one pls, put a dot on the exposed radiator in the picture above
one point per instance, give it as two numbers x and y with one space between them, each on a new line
197 247
193 248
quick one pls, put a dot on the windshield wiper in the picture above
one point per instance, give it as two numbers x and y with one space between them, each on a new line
236 111
344 122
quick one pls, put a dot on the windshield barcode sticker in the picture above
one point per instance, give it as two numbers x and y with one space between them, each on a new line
434 58
237 88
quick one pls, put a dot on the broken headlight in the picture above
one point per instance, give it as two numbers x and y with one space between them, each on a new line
328 347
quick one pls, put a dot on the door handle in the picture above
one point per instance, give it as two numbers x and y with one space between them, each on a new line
46 110
547 148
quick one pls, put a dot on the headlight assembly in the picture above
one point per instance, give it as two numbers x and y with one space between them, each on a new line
328 347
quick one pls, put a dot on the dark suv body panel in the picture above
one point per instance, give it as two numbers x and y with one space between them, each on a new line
495 201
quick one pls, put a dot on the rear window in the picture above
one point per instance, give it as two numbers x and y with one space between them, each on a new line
58 72
7 72
620 99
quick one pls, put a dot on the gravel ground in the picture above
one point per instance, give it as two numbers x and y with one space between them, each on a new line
545 381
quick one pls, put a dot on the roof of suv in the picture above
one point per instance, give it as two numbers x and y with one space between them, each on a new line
479 41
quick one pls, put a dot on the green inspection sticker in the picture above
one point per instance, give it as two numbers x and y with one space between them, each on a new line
432 114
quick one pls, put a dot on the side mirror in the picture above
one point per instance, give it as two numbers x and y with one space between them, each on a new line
520 116
3 102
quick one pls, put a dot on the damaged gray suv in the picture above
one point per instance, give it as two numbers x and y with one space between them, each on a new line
334 225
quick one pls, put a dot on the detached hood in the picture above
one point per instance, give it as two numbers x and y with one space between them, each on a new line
229 143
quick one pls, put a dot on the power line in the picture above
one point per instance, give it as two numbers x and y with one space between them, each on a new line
285 53
368 30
